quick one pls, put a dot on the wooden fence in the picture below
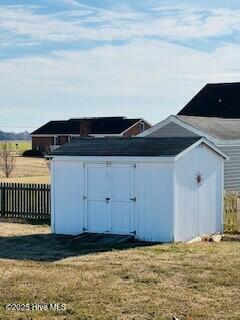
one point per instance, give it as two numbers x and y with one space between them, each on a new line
232 212
32 203
25 202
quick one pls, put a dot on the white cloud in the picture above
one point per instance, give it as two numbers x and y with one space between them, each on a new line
143 78
150 78
77 24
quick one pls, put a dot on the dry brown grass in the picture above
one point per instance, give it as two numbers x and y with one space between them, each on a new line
33 179
28 170
198 281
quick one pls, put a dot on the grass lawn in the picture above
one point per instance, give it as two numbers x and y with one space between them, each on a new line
197 281
28 170
18 145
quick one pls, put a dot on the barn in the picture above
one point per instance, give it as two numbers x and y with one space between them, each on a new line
157 189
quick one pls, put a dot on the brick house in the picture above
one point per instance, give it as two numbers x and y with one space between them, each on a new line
55 133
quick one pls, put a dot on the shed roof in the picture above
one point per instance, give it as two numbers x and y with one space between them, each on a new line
156 147
215 100
221 128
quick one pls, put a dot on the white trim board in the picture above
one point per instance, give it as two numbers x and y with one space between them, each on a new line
208 144
100 135
55 135
115 159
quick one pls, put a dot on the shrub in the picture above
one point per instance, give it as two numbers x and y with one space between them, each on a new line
32 153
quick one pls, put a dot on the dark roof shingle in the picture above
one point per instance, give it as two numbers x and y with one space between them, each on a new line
101 125
215 100
146 146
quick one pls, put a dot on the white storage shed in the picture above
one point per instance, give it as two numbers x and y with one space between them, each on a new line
159 189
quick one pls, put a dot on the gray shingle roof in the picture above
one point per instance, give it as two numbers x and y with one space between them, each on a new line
221 128
161 147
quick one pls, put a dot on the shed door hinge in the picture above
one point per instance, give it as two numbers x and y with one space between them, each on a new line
84 197
133 199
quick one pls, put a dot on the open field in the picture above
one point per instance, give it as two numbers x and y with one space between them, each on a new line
32 179
28 170
18 145
197 281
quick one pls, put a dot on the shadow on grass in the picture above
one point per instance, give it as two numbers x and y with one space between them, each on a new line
49 247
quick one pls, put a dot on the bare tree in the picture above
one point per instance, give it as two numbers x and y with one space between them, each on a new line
7 159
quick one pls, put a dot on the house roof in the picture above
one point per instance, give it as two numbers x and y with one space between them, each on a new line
101 125
215 100
221 128
160 147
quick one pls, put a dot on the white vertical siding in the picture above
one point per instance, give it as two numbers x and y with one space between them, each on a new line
154 206
52 166
68 210
172 130
122 191
198 208
231 167
153 190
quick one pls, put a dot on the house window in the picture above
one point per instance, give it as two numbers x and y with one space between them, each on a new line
58 141
142 126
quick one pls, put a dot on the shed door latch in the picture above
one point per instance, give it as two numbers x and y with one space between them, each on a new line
133 199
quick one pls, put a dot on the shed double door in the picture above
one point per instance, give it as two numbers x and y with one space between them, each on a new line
109 198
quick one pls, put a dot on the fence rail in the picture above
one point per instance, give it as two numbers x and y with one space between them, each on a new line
29 202
32 203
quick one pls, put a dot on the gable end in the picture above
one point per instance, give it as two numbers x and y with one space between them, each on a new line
172 130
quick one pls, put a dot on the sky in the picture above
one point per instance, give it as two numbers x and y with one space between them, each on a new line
137 58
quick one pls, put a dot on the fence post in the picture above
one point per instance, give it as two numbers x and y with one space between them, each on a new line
2 200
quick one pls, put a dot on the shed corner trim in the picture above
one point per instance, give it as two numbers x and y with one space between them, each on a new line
207 143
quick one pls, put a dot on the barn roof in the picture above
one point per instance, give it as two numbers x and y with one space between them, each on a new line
98 125
215 100
221 128
163 147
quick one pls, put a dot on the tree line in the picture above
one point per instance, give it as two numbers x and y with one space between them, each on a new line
14 136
